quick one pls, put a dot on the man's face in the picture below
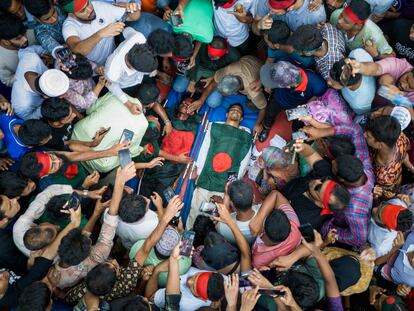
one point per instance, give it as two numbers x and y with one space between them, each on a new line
19 42
191 283
9 207
235 114
182 111
16 8
87 13
345 23
50 18
295 5
334 4
406 82
66 120
371 141
376 213
4 283
56 163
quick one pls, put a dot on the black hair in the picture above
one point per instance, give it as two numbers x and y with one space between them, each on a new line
142 58
10 26
34 240
385 129
239 105
129 303
38 8
219 42
279 33
277 226
12 184
342 198
35 297
100 280
82 71
215 287
152 134
5 5
404 220
336 72
360 8
202 226
161 41
74 248
306 38
32 132
241 195
339 145
29 166
349 168
54 206
55 109
304 289
183 45
132 208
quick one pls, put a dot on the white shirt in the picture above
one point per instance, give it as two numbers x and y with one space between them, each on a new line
26 103
228 26
129 233
380 238
35 211
188 301
225 231
116 69
106 14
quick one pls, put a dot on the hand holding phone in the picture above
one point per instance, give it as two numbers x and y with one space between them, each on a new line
176 20
271 292
66 58
209 209
74 201
125 155
187 241
296 113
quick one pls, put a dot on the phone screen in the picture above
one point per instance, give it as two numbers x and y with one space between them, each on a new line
176 20
187 243
125 155
74 201
209 208
307 232
66 57
296 113
271 292
169 193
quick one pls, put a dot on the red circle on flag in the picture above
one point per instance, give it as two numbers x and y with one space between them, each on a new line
222 162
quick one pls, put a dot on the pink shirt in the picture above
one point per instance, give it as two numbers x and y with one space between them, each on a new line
263 255
396 67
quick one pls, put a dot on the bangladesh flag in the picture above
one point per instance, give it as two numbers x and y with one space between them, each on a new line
228 147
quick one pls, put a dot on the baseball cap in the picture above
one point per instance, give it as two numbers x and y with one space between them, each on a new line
280 5
169 239
229 85
279 75
52 83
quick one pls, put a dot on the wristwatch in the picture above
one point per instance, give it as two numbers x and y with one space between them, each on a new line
85 193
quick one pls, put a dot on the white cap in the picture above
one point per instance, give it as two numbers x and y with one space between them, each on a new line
402 115
54 83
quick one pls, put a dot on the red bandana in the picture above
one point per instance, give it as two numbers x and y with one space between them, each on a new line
44 160
178 59
390 215
326 196
202 284
352 16
228 4
213 52
302 86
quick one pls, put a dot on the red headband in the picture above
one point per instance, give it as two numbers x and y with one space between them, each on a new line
202 284
214 52
228 4
353 16
178 59
390 215
280 5
44 160
326 196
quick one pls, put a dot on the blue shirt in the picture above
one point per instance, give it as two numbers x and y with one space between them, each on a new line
15 147
290 98
293 57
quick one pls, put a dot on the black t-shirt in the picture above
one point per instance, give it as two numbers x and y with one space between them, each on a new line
59 136
306 209
398 33
10 256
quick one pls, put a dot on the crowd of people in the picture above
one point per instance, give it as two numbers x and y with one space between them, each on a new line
206 155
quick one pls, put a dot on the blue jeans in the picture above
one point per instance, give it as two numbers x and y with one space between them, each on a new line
147 23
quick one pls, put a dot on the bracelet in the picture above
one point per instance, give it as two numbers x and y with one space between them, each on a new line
85 193
167 121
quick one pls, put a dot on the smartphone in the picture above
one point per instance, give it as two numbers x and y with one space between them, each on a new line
299 134
244 282
74 201
187 243
231 176
124 17
209 208
169 193
125 155
107 195
176 20
271 292
307 232
296 113
66 57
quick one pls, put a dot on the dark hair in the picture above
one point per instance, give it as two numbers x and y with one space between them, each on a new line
336 72
54 206
183 45
152 134
74 248
38 8
360 8
142 58
202 226
215 287
35 297
5 5
12 184
100 280
385 129
54 109
339 145
219 42
10 26
241 195
82 71
161 41
128 303
306 38
342 198
132 208
277 226
34 240
29 166
349 168
404 220
239 105
279 33
219 3
32 132
304 289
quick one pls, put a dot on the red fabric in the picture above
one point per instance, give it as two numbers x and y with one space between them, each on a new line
79 5
280 5
302 86
228 4
179 59
216 52
71 171
390 215
201 285
150 148
44 160
177 142
326 196
352 16
222 162
281 126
